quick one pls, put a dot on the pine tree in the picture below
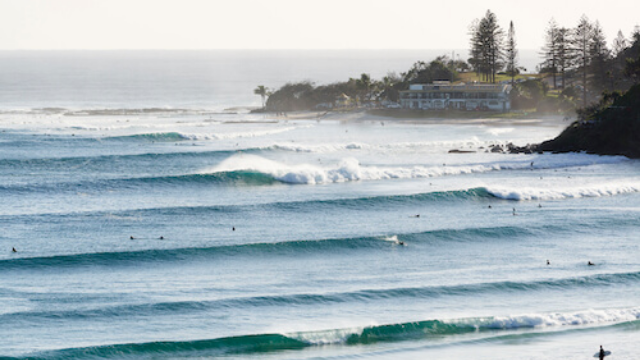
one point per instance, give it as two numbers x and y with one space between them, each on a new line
564 53
511 54
486 46
619 44
599 57
581 42
550 50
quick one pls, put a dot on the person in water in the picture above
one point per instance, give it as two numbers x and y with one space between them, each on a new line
548 263
601 354
590 263
14 250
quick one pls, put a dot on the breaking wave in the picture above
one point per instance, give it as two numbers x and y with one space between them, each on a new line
181 136
350 169
559 193
487 327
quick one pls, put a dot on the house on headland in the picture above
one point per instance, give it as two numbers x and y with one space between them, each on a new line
442 95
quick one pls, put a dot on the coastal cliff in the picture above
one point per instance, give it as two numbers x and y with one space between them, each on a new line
606 129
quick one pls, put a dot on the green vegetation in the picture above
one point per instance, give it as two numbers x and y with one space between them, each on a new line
362 91
487 40
579 57
263 92
577 68
610 127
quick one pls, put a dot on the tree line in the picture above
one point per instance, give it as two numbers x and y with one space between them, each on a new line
578 61
580 55
360 91
490 51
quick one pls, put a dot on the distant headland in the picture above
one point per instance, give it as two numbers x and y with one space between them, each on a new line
580 76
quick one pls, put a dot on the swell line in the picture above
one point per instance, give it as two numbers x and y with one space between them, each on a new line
314 299
135 257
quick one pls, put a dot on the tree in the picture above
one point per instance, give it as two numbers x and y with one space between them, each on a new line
619 44
423 73
364 86
292 97
632 69
564 53
486 46
550 50
599 57
389 87
581 42
263 92
511 54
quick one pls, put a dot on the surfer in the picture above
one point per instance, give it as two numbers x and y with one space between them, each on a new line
490 207
401 243
233 228
14 250
548 262
161 238
590 263
416 216
601 354
131 237
514 212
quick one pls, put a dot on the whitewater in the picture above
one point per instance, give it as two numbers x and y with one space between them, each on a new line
174 226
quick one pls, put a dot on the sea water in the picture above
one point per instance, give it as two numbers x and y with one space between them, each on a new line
190 231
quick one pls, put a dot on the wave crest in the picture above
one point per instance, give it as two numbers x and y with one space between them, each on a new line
263 343
530 193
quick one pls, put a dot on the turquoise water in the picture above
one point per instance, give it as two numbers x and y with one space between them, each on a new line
264 238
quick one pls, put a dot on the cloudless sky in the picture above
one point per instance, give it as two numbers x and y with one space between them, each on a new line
289 24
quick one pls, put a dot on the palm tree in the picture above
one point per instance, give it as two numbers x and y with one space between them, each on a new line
263 92
364 86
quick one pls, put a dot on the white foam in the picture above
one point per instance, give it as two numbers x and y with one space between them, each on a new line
546 193
326 337
237 135
444 146
393 239
350 169
541 320
586 317
324 148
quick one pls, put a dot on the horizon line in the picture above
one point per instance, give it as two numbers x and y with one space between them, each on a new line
256 49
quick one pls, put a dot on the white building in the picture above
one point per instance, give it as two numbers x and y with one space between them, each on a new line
443 95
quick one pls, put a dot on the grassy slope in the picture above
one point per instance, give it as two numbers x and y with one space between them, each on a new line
471 76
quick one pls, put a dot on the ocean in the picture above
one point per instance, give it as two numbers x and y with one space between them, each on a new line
153 217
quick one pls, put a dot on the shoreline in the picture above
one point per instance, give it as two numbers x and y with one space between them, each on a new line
435 118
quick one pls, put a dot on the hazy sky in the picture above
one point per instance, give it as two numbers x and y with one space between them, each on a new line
288 24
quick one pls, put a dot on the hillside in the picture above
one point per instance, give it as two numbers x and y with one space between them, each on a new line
606 130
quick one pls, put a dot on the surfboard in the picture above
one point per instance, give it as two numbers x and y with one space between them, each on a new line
606 353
